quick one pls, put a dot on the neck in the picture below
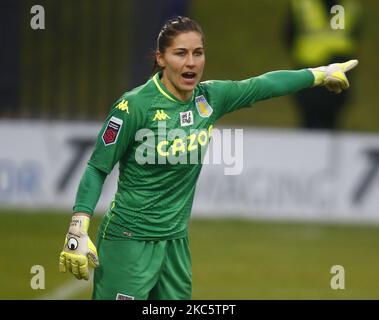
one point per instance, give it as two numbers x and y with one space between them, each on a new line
180 95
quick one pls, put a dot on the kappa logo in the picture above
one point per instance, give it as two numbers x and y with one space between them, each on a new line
161 115
203 107
123 106
186 118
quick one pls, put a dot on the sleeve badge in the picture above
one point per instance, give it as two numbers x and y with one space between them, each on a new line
112 131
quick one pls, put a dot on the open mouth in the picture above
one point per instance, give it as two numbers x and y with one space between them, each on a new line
189 75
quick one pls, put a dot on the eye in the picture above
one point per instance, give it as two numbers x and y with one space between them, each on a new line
72 243
180 53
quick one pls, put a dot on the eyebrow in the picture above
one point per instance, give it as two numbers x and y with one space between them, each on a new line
184 49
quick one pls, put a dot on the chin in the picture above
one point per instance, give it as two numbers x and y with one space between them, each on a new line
191 87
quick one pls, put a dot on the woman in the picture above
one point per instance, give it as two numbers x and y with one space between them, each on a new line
143 239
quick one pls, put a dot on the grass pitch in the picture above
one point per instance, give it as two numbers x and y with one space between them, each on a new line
232 259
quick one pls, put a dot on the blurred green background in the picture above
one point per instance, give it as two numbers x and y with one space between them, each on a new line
80 64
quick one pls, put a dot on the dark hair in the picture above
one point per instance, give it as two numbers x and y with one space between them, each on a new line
170 30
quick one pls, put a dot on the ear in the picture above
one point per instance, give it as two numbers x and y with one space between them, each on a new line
160 59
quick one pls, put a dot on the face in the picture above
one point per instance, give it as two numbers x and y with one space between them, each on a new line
183 64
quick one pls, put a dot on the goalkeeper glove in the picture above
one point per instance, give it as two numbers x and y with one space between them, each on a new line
333 76
78 251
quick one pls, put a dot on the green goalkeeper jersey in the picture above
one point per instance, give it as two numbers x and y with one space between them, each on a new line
159 142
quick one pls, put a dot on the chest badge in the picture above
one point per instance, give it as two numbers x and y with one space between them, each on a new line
186 118
203 107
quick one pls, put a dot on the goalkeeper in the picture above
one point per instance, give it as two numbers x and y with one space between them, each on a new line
142 249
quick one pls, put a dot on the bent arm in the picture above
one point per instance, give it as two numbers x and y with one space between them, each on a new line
89 190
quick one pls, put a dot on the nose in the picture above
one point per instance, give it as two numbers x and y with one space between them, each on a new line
190 60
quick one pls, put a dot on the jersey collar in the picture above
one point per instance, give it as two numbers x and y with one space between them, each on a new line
163 90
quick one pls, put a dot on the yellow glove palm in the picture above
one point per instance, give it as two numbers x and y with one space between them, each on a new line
78 251
333 76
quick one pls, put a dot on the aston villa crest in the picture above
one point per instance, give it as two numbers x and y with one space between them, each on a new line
203 107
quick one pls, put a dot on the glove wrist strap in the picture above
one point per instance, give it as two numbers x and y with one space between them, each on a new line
79 223
319 76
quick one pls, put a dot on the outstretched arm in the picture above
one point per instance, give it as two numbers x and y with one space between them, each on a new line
279 83
233 95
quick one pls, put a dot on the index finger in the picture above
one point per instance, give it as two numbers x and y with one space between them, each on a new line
346 66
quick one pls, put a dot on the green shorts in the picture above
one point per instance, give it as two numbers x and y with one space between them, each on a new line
133 269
